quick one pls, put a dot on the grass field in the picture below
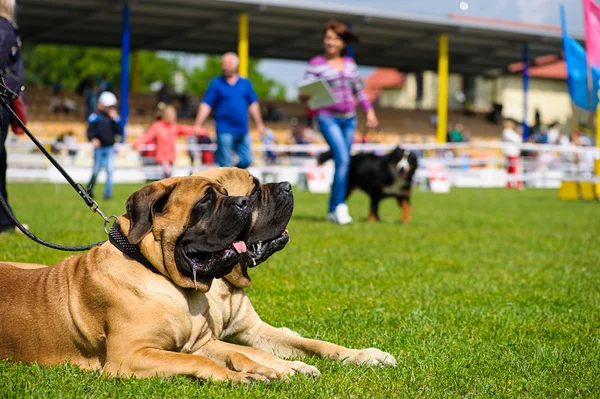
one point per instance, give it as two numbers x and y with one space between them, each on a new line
487 293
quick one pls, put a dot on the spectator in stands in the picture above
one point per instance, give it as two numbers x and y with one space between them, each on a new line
206 157
512 150
104 84
56 146
11 60
456 134
164 95
538 137
232 97
70 143
185 103
337 122
58 103
271 113
85 88
164 133
553 133
268 138
103 132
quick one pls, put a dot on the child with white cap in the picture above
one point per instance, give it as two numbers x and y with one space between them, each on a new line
103 132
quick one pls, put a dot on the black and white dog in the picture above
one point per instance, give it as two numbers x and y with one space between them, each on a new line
380 177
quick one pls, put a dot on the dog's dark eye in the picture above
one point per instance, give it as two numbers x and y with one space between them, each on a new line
255 190
209 196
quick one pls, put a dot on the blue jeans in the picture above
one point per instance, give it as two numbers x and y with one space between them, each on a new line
229 142
104 158
339 134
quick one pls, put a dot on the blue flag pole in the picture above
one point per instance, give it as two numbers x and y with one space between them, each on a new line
526 131
125 49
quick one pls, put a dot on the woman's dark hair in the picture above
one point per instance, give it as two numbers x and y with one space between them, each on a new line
340 29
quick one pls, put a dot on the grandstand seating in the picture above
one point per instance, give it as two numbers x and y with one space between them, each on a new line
405 126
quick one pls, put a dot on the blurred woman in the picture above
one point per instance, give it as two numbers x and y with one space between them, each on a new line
12 66
164 133
337 122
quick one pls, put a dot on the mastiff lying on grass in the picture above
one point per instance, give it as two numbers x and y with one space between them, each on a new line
141 303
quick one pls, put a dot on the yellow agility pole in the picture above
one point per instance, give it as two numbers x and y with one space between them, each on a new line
243 44
442 110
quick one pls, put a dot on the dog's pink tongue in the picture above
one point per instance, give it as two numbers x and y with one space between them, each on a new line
240 247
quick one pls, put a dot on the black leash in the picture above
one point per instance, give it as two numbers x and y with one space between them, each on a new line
7 93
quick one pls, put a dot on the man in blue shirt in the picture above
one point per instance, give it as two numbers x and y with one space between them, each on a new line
232 98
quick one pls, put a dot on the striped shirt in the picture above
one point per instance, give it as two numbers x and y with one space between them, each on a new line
344 85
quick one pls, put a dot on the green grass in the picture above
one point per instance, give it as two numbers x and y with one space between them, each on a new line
487 293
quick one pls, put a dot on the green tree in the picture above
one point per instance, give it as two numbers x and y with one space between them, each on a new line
46 64
198 79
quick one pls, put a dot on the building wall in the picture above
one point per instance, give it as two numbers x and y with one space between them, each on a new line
550 96
406 97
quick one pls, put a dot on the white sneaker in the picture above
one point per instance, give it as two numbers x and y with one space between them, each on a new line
340 215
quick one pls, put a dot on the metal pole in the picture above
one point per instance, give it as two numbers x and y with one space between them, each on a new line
525 90
442 110
243 44
125 49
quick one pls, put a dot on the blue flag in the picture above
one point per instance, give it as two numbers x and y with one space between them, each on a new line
576 60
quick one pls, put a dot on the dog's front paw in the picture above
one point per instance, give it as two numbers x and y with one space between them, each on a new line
371 357
246 378
292 367
306 369
268 373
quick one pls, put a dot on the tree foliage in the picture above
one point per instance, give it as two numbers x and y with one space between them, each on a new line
198 79
47 64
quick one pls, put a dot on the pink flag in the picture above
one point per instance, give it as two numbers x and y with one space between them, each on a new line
592 31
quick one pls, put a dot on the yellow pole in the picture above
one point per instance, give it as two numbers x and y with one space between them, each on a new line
597 161
243 44
442 111
135 76
598 125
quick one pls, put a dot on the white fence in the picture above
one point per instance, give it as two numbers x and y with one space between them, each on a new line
541 165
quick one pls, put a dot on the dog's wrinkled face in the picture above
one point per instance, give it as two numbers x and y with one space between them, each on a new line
272 205
189 228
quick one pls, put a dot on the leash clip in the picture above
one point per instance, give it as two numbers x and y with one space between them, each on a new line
107 222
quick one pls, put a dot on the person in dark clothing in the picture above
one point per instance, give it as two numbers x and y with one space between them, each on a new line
10 64
104 131
85 88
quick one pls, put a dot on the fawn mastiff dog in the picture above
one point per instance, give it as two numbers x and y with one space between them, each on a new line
146 316
225 311
233 317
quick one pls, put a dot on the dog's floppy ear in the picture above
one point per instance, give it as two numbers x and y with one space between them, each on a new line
141 206
396 155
